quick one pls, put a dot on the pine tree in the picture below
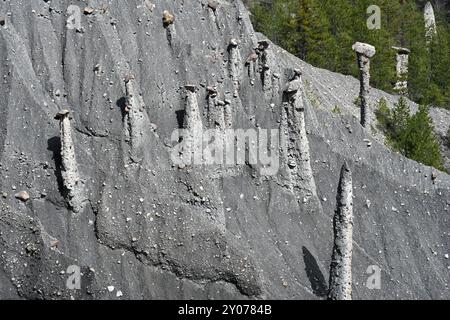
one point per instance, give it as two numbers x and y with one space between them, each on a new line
400 116
397 125
420 142
313 26
384 115
439 93
279 22
341 15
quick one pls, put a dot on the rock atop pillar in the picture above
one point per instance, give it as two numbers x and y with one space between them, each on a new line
364 52
364 49
401 85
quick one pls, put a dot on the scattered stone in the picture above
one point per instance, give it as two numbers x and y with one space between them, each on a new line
251 58
263 45
434 177
365 49
191 87
54 243
31 247
104 8
150 6
110 288
119 294
129 77
61 114
88 10
297 72
168 18
213 5
446 256
23 196
153 127
2 21
211 90
234 42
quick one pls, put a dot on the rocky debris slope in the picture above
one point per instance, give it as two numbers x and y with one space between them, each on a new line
147 228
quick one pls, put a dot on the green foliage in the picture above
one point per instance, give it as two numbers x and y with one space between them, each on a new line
323 31
384 115
400 118
419 141
279 22
336 110
413 136
357 102
448 138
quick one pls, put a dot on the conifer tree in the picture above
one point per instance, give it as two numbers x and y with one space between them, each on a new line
419 142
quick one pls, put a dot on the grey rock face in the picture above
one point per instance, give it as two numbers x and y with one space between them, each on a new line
341 261
153 230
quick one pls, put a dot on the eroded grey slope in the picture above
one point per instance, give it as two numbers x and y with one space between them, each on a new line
153 230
